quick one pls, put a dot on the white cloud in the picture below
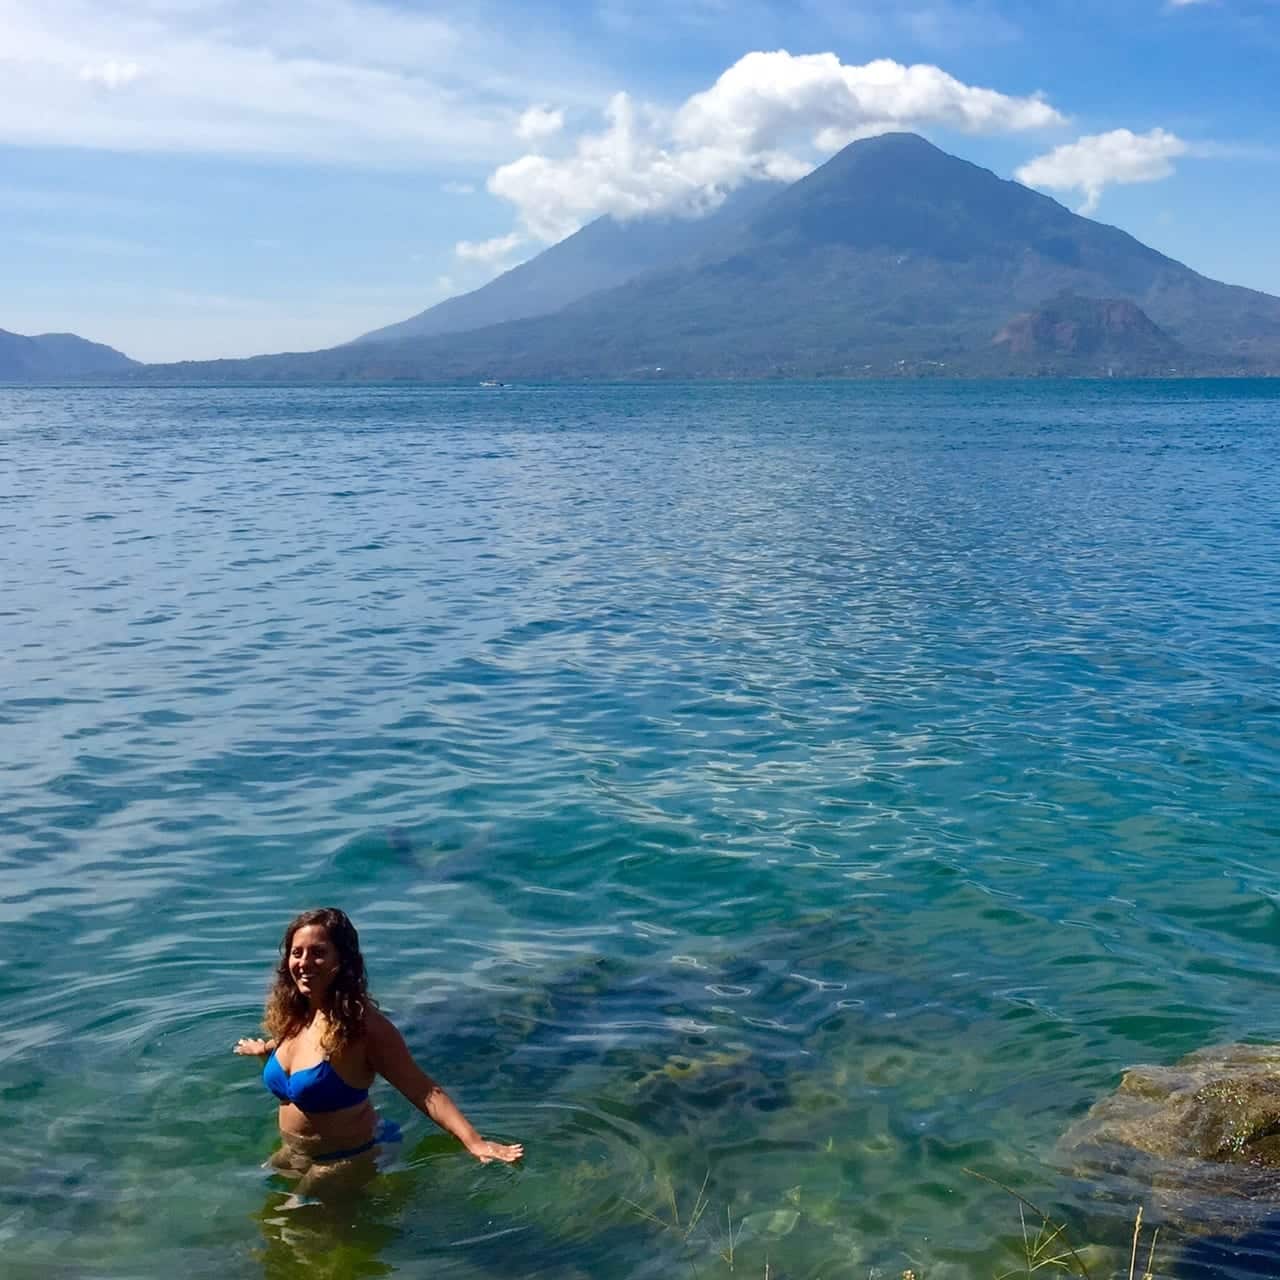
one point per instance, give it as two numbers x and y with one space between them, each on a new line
457 188
538 123
763 118
351 81
490 253
1097 161
764 95
111 74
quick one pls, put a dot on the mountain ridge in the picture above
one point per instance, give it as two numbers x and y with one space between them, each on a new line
893 256
56 355
604 253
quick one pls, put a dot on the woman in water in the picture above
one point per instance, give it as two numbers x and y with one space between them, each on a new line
328 1042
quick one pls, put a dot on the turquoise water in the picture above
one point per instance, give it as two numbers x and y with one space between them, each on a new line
807 792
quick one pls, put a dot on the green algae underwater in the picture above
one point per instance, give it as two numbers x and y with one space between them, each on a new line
616 1176
767 803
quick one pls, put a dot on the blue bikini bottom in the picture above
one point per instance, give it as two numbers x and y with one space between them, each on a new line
387 1131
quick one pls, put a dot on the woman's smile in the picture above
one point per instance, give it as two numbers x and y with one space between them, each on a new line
313 960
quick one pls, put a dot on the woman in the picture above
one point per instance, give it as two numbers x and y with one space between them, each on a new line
328 1042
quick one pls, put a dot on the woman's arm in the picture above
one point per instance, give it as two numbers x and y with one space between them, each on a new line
389 1056
251 1048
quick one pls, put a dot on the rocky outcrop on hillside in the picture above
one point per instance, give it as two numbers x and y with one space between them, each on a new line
1110 331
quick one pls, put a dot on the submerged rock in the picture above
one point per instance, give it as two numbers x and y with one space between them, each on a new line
683 1090
1201 1138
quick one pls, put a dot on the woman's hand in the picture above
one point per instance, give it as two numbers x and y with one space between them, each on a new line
390 1058
251 1048
484 1151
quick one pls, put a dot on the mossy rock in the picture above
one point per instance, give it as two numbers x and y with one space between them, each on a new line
1200 1139
682 1068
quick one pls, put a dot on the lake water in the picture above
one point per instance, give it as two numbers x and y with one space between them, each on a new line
797 793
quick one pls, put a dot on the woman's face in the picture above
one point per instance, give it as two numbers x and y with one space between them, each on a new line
313 961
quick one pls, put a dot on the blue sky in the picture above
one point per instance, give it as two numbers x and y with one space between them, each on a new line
184 179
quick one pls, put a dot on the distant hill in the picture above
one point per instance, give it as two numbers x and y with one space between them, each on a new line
602 254
1091 331
56 355
892 258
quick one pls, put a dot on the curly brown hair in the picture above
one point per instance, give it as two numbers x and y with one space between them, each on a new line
347 1002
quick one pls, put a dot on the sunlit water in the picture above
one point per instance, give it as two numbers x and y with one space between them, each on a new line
799 794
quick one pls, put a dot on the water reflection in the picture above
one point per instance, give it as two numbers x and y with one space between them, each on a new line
326 1239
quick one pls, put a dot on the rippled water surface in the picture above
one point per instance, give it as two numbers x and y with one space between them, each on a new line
798 793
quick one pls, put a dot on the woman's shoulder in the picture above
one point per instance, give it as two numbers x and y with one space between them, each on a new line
383 1044
378 1027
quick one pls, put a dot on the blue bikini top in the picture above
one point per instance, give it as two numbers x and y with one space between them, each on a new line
318 1088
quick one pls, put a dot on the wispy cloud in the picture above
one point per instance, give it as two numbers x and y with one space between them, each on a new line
493 254
947 25
352 81
764 118
110 74
1251 152
1094 162
941 25
539 122
79 201
84 244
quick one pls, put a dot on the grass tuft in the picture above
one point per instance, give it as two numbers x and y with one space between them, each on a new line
1045 1246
